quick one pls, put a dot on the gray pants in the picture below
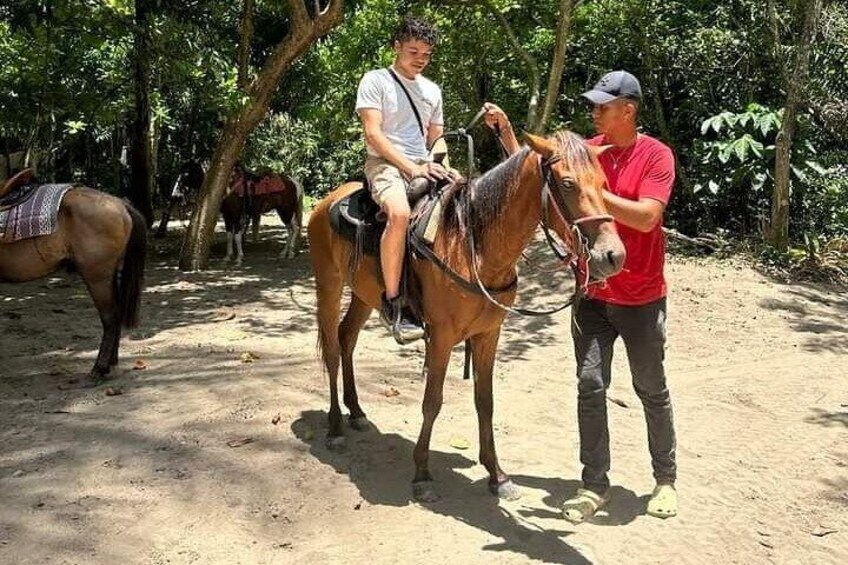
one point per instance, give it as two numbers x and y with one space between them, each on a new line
595 327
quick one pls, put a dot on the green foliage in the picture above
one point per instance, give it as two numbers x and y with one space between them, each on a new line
711 73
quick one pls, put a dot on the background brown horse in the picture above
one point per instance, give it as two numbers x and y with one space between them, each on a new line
105 241
505 209
183 194
244 204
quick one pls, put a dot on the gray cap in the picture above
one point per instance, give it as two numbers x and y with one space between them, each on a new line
614 85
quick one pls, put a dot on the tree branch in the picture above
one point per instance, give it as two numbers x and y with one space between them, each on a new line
529 60
566 8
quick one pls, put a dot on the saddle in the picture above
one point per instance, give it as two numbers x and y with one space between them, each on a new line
17 189
359 220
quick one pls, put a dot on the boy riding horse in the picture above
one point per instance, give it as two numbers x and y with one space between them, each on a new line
401 113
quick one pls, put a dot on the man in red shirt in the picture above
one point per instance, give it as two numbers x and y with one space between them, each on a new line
631 304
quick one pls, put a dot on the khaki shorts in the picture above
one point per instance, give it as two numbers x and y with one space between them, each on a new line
385 179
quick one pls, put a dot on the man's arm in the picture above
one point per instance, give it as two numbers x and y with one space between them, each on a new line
497 120
642 215
434 132
372 124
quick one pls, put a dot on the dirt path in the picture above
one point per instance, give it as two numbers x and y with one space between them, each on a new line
758 373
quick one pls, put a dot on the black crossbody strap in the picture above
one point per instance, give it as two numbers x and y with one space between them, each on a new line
411 103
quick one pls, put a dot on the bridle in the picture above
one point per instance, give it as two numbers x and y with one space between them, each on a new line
577 258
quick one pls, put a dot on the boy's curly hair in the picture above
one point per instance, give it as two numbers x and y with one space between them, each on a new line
412 28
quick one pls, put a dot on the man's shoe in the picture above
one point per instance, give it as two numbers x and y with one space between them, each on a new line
404 327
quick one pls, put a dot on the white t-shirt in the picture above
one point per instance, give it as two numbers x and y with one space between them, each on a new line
378 90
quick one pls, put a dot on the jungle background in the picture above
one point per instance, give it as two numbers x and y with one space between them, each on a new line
751 95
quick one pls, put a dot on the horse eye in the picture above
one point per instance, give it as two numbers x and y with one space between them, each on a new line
568 182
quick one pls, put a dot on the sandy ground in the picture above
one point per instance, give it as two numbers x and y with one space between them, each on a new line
758 372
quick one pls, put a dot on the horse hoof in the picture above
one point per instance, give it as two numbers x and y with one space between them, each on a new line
506 490
336 443
424 491
360 424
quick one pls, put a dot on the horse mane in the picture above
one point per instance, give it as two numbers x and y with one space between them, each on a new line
485 196
490 191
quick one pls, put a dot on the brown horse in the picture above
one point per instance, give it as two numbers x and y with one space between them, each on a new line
503 209
105 241
246 201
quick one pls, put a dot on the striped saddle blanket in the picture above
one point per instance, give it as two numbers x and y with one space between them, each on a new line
31 211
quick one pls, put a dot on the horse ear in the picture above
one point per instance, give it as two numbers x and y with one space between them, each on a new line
598 149
542 146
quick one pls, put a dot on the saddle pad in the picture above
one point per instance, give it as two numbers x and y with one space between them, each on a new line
36 216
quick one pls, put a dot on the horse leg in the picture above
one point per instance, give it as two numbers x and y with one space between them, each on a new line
483 349
239 236
257 220
229 256
293 231
102 291
166 216
437 357
329 307
356 316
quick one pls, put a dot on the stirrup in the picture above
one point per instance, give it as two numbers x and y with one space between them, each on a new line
405 329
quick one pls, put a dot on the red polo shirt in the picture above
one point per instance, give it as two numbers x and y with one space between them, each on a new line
643 170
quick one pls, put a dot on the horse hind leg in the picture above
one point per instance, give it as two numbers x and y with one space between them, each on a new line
256 221
356 316
329 306
239 238
103 293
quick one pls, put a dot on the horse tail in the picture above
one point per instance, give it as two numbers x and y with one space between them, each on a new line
131 277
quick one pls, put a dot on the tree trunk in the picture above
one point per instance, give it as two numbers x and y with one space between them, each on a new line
796 79
245 37
141 178
303 31
566 8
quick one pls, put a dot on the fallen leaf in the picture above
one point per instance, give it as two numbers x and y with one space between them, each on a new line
223 316
821 531
614 400
113 391
139 365
248 357
276 419
459 442
239 442
391 391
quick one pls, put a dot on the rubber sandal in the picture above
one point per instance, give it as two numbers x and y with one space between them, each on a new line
663 502
584 504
